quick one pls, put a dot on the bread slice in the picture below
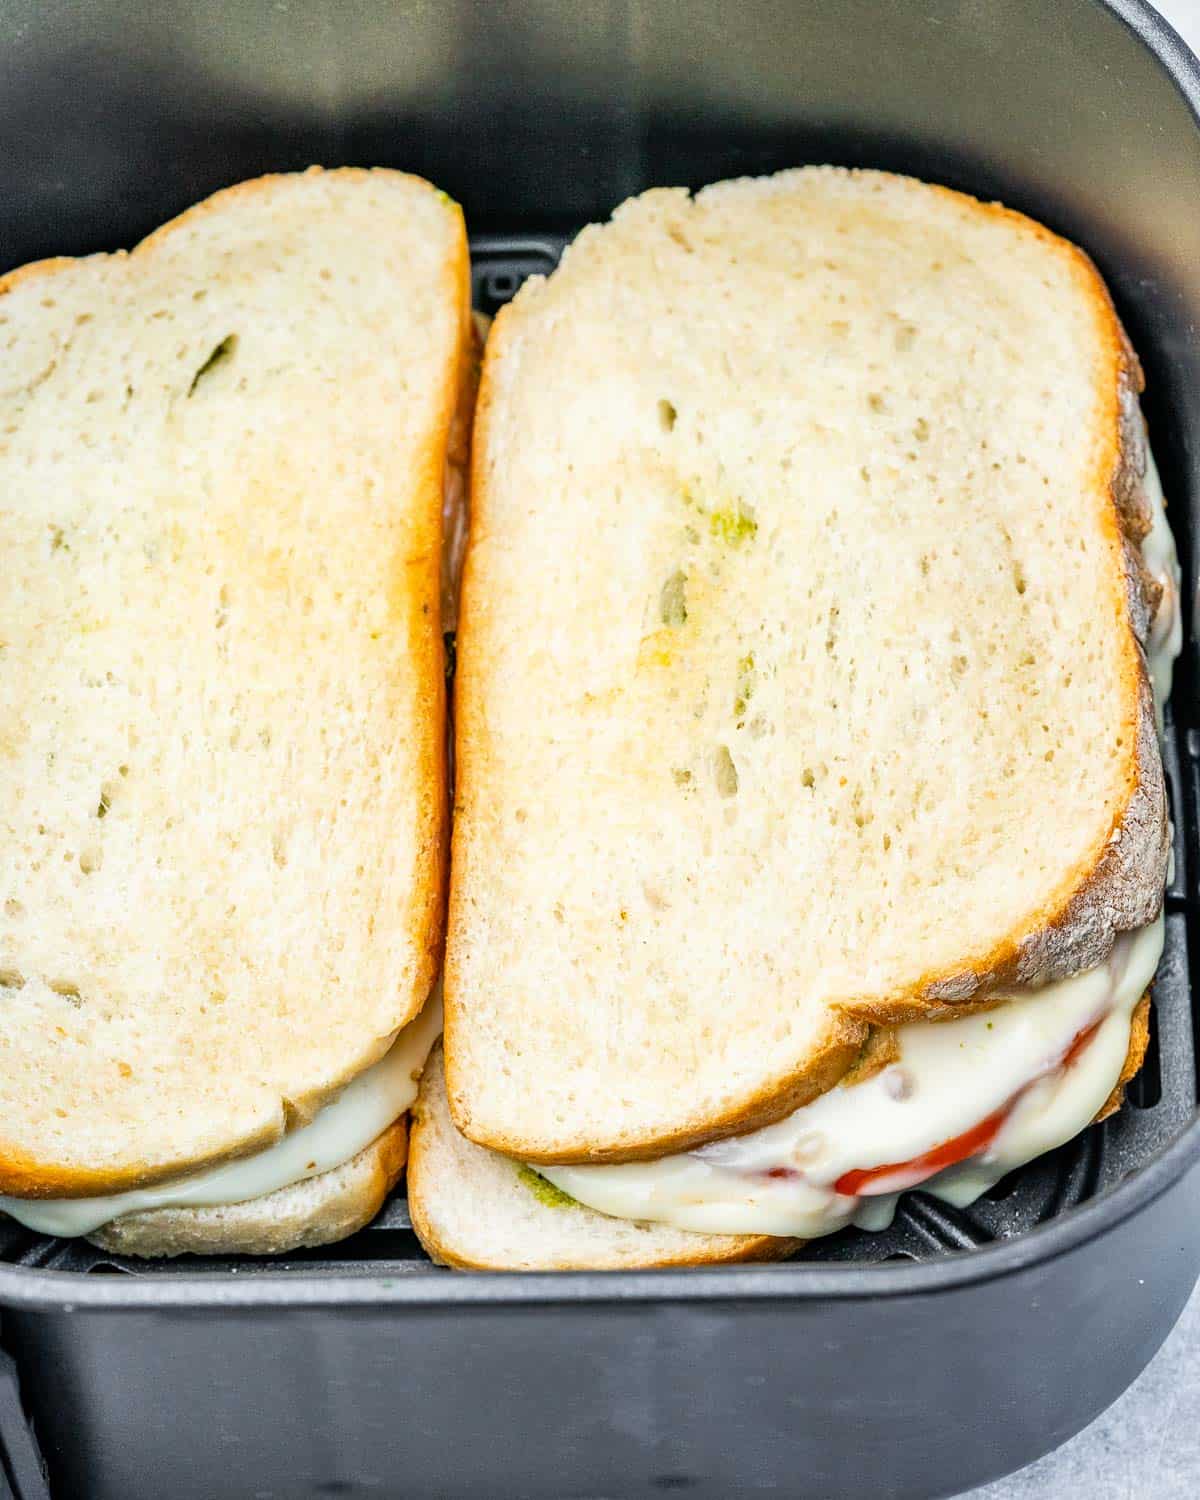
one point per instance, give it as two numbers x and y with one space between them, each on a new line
1139 1040
222 769
800 670
314 1212
477 1210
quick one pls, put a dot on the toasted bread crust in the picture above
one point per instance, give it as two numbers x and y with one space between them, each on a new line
416 596
1139 1040
824 1068
317 1212
743 1249
751 1250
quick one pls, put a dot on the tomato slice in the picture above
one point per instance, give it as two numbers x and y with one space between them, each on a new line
1080 1042
859 1182
853 1184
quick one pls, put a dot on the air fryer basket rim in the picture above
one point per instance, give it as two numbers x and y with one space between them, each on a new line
1160 38
27 1288
34 1289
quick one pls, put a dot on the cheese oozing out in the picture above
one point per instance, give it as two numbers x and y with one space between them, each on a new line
359 1115
1000 1085
966 1101
1160 557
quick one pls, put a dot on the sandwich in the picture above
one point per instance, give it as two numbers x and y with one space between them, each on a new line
223 800
810 826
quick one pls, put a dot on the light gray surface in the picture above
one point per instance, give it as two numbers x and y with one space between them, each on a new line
1184 15
1144 1447
1147 1445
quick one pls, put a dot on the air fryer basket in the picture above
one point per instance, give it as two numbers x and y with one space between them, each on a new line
890 1361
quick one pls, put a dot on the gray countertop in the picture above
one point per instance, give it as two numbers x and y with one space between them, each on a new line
1148 1442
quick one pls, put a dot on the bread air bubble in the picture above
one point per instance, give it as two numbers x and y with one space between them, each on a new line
672 600
219 356
725 772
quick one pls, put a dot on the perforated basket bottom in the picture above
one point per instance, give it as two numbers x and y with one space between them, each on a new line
1161 1101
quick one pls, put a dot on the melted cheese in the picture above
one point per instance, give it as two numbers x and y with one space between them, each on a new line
361 1112
950 1077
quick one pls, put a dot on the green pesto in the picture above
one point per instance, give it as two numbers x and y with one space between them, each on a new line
544 1190
745 685
732 526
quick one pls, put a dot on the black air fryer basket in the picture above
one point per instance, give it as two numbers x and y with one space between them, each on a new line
914 1363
